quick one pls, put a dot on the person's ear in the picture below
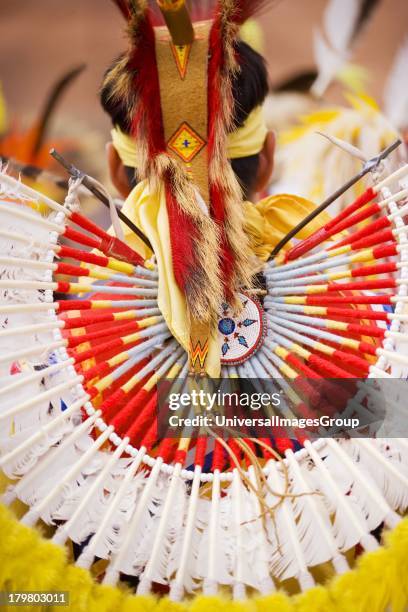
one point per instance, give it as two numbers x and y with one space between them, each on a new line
117 171
266 159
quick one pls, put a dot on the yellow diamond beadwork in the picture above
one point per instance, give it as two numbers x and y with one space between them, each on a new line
186 143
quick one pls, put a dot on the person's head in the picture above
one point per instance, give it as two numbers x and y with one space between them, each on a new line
249 88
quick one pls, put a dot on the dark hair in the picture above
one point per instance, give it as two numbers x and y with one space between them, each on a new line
249 88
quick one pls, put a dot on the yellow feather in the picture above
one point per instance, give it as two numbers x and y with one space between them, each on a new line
317 599
279 602
362 101
28 562
166 605
105 599
139 604
206 604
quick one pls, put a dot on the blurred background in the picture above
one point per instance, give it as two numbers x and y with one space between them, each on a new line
42 39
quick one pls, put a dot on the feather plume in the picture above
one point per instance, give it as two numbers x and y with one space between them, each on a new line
190 580
248 535
139 549
357 489
350 526
339 23
382 463
312 518
215 563
120 505
287 554
343 22
170 530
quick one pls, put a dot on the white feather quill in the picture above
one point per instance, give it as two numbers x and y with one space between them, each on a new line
214 562
168 532
385 469
184 554
288 557
117 512
350 526
130 559
313 520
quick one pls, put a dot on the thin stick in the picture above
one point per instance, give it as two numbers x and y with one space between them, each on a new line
75 173
368 167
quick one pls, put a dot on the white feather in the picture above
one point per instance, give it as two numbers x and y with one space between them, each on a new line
313 521
119 502
56 502
350 526
126 559
50 467
169 531
249 536
381 459
140 546
85 506
215 564
332 47
184 554
339 21
356 483
288 558
121 517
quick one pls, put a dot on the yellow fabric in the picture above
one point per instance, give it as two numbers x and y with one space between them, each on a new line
148 211
248 139
252 33
245 141
266 223
29 562
126 148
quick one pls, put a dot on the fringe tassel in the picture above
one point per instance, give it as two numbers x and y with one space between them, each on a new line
28 562
226 195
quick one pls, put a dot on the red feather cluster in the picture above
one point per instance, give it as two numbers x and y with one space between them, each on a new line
148 122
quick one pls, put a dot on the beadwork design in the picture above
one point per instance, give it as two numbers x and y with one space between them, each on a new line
241 336
186 143
181 54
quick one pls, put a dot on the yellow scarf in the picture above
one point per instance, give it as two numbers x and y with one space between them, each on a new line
243 142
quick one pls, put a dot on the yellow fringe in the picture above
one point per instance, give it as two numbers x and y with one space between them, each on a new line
30 563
